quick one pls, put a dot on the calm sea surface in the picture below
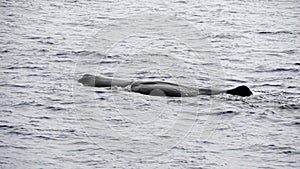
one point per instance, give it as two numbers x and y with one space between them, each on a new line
49 120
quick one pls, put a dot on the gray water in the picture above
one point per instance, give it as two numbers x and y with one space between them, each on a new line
49 120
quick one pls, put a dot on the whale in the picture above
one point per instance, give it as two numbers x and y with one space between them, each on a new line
159 88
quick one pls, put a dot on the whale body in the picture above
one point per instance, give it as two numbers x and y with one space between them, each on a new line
158 88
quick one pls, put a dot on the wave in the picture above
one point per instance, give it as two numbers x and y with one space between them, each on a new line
285 69
229 112
276 32
44 137
6 126
15 85
279 70
54 108
290 107
227 36
25 67
271 85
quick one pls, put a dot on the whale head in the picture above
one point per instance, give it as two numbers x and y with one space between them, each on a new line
87 80
240 91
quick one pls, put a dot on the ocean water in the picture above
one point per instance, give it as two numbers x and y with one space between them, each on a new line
49 120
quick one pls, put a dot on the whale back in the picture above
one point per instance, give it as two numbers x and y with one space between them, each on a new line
158 88
240 91
155 88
